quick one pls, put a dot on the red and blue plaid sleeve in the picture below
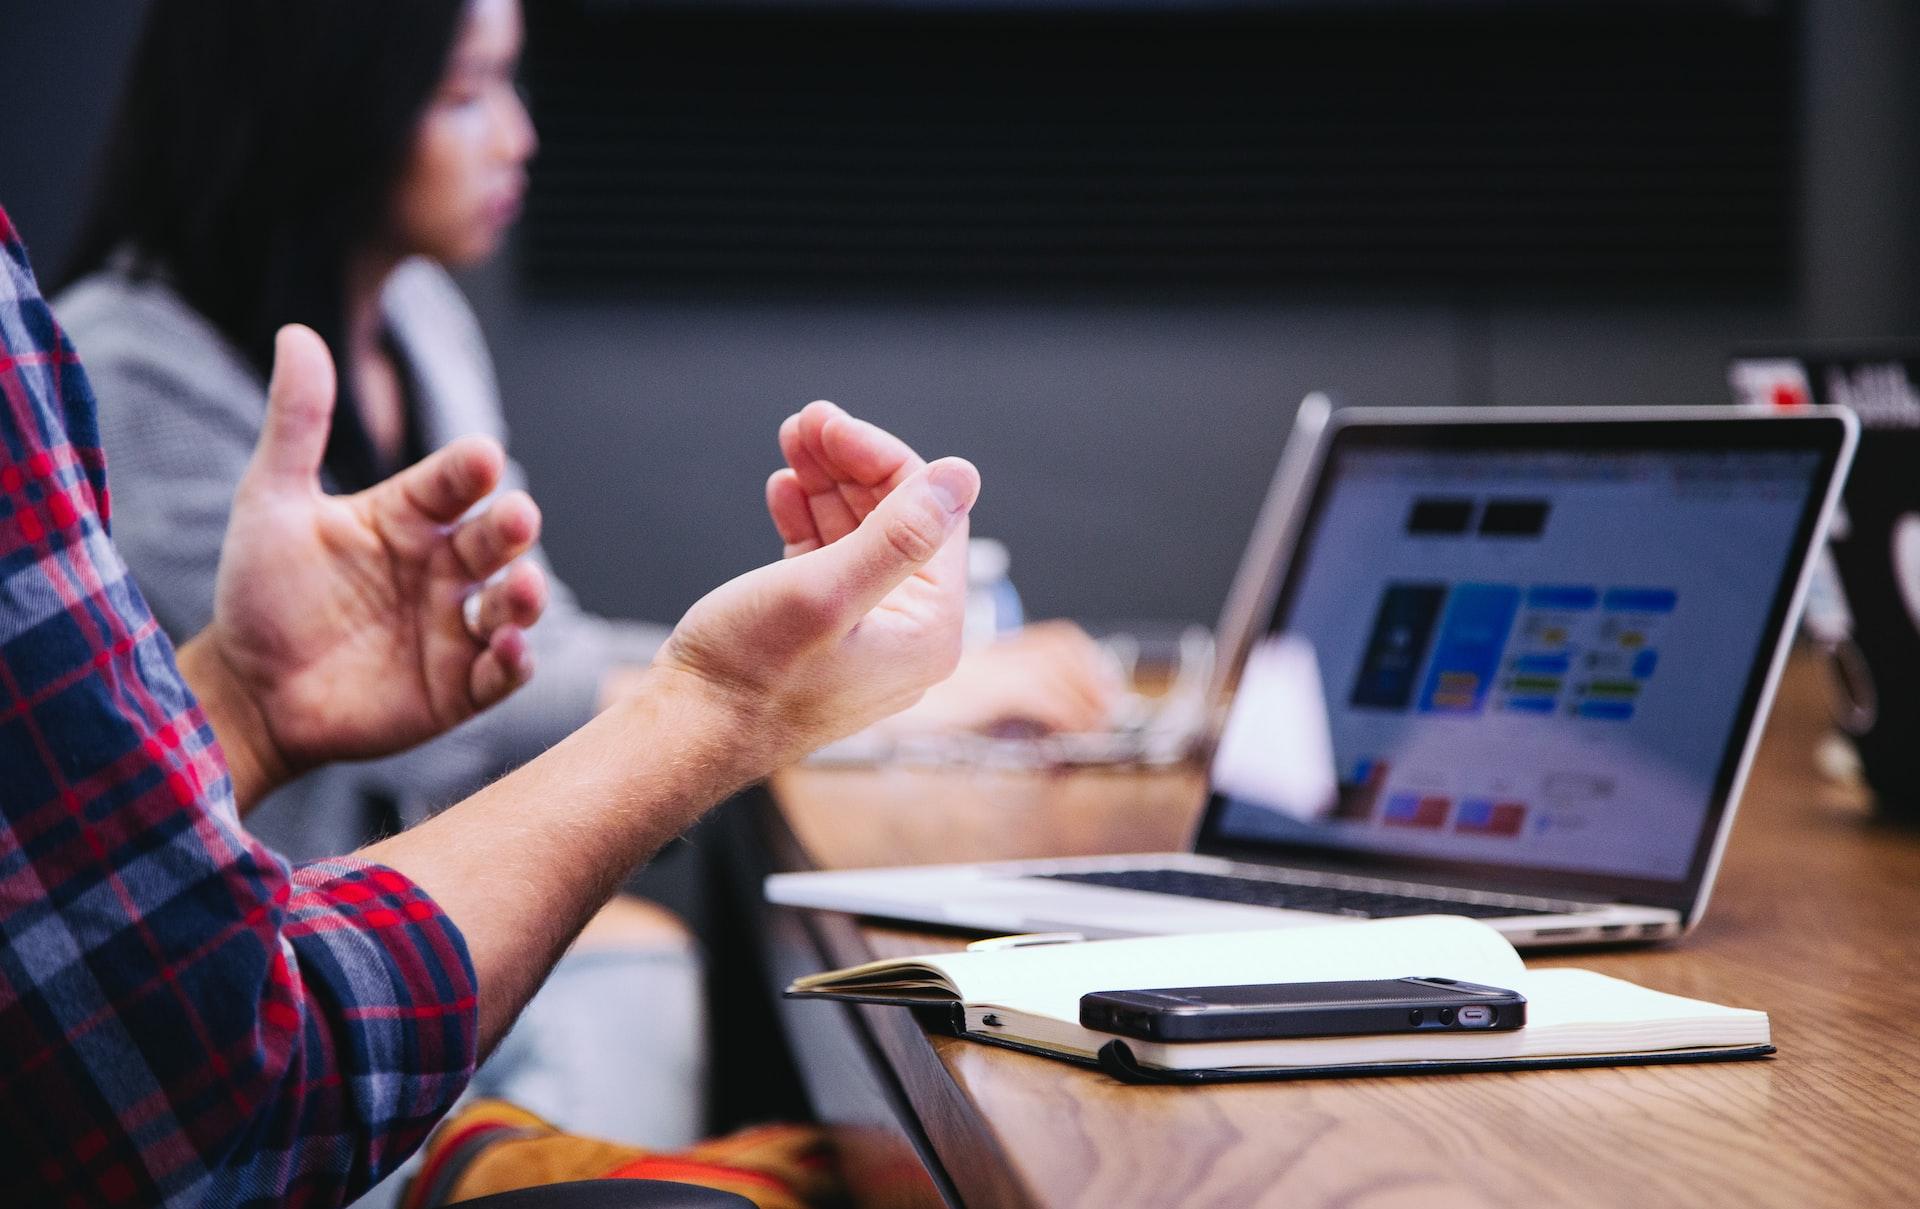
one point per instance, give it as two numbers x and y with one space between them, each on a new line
183 1019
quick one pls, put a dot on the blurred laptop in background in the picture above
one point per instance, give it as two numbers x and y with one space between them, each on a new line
1864 609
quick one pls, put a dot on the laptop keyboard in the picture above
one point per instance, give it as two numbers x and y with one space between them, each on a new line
1332 900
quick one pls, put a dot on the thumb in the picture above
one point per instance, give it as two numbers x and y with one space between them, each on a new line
899 537
293 440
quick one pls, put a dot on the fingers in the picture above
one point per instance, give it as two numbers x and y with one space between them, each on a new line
1052 697
498 617
441 487
293 437
1074 703
1064 650
843 465
858 495
812 475
856 451
792 519
1050 676
832 517
504 531
900 537
863 461
504 666
516 599
1050 707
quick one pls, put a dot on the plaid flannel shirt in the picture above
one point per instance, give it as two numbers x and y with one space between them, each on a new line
183 1019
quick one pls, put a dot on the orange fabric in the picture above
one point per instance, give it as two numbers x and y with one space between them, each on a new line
498 1147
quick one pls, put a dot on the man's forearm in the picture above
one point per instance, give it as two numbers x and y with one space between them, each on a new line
522 865
252 758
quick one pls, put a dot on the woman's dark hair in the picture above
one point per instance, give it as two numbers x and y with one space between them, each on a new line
256 149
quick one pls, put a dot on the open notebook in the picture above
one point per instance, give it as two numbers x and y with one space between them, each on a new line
1029 998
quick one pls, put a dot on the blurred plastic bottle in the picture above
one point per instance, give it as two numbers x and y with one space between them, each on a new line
993 604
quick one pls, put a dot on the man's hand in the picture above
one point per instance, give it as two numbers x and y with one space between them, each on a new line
838 470
342 627
862 616
1048 677
1051 675
855 625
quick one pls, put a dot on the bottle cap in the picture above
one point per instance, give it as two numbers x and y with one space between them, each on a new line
987 561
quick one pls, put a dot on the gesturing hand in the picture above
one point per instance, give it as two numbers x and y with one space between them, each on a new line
1048 677
838 470
863 615
341 624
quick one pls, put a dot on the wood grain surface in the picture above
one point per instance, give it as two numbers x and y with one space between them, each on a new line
1816 919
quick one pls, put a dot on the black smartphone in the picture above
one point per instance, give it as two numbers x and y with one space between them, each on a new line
1304 1009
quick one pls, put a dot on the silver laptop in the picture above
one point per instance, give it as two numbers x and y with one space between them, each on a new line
1510 664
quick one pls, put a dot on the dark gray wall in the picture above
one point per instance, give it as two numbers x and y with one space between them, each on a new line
1124 448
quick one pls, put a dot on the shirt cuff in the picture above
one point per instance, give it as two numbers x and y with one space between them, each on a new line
395 970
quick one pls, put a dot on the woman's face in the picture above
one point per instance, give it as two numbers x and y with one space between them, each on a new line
466 176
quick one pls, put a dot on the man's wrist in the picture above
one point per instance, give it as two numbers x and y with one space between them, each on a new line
254 760
707 724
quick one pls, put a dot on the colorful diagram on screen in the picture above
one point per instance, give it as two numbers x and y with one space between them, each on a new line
1467 654
1485 816
1557 622
1497 818
1397 645
1569 649
1624 654
1427 811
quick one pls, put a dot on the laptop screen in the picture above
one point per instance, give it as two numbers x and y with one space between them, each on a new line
1520 647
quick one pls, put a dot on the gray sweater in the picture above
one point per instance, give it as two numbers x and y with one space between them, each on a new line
180 411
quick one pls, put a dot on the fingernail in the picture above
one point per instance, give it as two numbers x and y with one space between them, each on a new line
952 486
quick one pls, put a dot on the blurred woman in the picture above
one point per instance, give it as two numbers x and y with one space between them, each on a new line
325 162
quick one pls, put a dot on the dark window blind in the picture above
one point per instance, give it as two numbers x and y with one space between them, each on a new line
1459 148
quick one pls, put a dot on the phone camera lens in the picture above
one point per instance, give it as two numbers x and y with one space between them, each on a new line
1446 1015
1415 1017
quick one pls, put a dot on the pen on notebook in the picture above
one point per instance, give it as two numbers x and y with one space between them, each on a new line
1023 941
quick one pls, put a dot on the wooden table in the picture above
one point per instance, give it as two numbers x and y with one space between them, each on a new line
1816 919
